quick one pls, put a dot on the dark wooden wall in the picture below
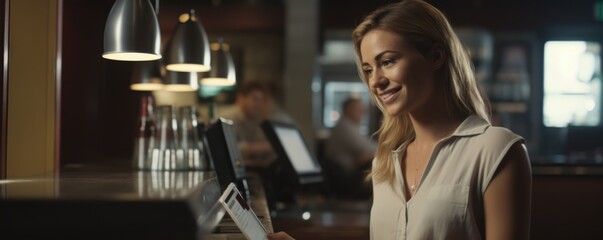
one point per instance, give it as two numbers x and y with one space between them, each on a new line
95 100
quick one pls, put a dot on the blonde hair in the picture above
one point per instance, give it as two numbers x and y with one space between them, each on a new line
422 26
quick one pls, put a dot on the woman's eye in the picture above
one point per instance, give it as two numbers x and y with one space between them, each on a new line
368 72
387 62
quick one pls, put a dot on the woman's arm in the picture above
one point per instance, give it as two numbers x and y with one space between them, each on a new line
507 197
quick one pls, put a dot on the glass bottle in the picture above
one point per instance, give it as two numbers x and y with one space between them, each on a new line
191 148
163 156
145 136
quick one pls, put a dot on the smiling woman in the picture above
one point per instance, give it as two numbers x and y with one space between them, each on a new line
436 142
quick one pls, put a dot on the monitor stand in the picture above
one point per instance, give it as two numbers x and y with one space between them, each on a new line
243 187
280 184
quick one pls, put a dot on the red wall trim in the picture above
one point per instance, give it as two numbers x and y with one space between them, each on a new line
6 10
59 65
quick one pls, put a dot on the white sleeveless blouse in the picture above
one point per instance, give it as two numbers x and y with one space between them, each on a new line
448 202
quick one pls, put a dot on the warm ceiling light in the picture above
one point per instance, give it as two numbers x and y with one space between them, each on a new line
132 32
181 81
222 71
146 76
188 50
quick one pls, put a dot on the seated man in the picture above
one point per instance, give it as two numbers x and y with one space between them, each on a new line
348 152
251 109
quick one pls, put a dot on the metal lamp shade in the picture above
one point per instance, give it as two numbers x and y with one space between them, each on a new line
222 71
188 50
181 81
132 32
146 76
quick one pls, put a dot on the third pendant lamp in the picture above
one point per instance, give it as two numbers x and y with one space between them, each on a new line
222 71
181 81
188 49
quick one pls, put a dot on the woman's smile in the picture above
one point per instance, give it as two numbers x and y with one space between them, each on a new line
390 95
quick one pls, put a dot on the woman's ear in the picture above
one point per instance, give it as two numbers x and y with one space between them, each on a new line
437 56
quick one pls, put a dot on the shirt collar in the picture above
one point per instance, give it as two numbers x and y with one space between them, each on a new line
473 125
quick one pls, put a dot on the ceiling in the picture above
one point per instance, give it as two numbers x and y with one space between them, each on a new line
270 15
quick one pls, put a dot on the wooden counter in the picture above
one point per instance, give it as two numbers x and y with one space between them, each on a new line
103 204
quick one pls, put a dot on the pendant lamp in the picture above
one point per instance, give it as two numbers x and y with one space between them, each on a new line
146 76
188 49
222 71
181 81
132 32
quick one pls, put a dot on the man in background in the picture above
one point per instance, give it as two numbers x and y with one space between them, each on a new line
252 106
349 152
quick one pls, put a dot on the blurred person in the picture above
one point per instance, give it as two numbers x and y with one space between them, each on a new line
251 108
348 152
441 170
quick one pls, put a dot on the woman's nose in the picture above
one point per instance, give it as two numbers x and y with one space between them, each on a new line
378 80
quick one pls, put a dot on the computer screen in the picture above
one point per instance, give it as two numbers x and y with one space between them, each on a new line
292 151
296 150
224 152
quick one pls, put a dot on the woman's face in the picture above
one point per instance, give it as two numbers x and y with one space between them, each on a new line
397 73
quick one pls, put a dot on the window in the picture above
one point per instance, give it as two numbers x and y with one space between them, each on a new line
336 93
572 83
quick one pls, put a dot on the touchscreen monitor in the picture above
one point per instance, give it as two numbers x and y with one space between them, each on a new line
293 153
221 140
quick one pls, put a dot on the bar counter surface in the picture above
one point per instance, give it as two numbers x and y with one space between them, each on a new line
109 203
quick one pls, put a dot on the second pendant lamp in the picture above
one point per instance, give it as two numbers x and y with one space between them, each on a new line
188 49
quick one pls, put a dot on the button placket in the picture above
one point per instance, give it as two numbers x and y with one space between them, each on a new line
403 213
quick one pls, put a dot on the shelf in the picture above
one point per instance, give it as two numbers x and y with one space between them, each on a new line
510 107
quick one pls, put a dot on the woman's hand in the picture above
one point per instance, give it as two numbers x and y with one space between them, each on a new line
279 236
